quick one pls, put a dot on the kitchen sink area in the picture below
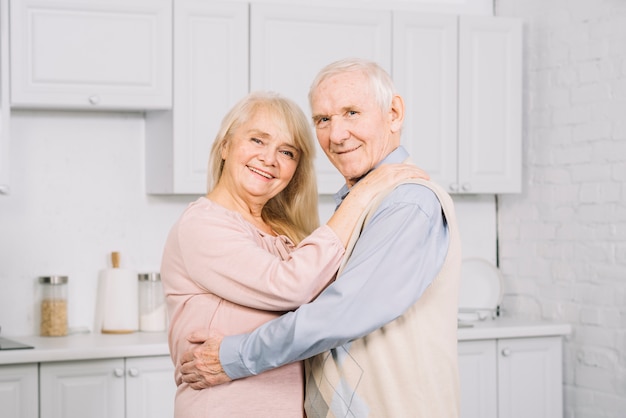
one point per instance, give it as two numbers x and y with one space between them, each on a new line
6 344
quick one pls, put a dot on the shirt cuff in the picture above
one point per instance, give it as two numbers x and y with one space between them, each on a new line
230 358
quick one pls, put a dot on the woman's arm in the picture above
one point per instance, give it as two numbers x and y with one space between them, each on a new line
346 216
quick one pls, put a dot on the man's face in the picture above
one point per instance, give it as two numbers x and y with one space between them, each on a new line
352 130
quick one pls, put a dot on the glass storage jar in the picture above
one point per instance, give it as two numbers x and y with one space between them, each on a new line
152 313
53 306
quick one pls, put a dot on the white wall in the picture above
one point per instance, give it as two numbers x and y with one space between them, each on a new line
77 193
562 243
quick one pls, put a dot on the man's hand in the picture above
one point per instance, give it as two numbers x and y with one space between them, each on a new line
200 366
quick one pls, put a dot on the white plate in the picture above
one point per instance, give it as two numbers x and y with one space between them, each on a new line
481 286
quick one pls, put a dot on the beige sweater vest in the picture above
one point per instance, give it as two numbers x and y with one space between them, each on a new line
408 368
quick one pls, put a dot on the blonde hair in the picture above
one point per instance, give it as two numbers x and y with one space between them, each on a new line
380 81
293 212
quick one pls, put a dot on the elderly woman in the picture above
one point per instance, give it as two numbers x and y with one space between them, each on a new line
251 249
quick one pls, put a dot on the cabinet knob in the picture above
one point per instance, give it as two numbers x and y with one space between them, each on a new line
133 372
506 352
118 372
94 100
454 187
467 187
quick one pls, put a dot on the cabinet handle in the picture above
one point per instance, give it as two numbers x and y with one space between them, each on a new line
454 187
118 372
506 352
133 372
467 187
94 100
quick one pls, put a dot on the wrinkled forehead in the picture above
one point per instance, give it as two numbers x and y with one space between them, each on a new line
341 91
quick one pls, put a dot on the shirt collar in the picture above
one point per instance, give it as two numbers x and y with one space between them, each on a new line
396 156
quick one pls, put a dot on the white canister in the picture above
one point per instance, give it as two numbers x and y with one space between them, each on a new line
152 311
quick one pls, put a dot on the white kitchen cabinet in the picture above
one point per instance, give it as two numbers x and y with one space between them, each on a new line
19 391
210 76
460 77
91 54
425 73
478 376
511 378
77 389
4 97
150 387
461 80
291 43
109 388
530 378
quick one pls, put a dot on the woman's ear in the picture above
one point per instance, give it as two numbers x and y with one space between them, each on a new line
224 149
397 113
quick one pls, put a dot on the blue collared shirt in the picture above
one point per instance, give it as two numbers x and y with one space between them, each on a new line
395 259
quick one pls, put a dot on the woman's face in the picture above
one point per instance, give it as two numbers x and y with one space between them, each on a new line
260 158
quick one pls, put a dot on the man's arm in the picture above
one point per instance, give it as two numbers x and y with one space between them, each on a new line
397 256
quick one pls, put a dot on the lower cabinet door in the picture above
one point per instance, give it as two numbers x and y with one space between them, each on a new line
81 389
530 377
150 387
478 375
19 391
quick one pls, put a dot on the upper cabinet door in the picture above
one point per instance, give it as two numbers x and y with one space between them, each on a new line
84 54
290 44
425 74
490 105
4 97
210 75
461 81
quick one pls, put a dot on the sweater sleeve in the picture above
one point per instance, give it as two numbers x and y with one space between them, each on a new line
397 256
225 258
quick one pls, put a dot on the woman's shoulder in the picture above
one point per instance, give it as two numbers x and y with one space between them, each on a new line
205 212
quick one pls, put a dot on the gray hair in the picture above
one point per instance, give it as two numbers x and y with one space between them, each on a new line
380 81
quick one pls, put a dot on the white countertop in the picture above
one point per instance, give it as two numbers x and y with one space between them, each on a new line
86 347
511 328
138 344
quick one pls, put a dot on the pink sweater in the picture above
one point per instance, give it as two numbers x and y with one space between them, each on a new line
221 272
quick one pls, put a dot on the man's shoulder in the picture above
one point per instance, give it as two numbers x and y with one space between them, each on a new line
419 192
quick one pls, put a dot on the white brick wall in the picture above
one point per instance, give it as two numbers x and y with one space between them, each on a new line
562 242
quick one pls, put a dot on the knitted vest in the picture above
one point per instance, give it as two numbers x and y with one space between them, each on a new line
408 368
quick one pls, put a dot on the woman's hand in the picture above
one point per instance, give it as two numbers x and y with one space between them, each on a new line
383 177
367 189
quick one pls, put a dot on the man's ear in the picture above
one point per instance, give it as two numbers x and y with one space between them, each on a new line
397 113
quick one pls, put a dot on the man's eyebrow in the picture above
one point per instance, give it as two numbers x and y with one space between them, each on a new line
343 110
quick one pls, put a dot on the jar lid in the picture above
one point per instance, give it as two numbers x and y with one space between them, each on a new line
53 279
149 277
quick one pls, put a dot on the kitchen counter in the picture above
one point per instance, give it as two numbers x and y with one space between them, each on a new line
511 328
86 347
138 344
